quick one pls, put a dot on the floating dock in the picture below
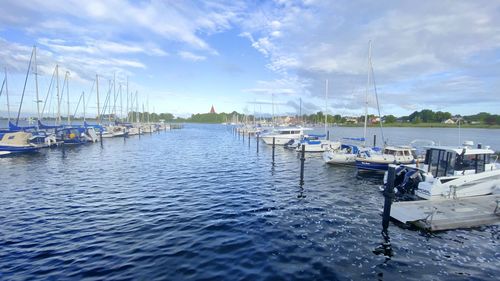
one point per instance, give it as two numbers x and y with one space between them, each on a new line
444 214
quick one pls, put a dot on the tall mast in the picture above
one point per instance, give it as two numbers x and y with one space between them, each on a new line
24 89
83 95
114 96
109 102
36 85
367 86
326 104
147 102
67 95
58 96
127 110
98 106
7 93
137 115
121 102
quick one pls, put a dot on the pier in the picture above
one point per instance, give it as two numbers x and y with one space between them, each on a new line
445 214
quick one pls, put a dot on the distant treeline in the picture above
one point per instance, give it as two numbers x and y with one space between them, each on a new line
417 117
422 117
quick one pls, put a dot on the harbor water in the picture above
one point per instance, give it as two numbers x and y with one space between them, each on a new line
201 203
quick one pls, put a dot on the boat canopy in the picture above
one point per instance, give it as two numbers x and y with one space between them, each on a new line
14 127
15 138
47 127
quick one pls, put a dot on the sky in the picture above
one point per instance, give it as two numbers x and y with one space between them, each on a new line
183 57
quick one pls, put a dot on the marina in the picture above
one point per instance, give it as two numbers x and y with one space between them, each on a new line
249 140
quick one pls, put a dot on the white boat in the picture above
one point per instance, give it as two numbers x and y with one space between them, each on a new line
132 131
451 172
315 143
344 154
379 162
283 135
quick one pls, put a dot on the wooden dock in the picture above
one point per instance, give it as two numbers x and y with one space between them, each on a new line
444 214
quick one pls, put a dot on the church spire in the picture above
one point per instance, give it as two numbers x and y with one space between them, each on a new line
212 110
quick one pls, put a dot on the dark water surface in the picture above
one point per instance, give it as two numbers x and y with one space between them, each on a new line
198 203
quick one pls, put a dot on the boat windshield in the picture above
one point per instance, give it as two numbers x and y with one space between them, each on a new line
445 163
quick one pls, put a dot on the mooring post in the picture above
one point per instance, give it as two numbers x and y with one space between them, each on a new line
257 142
274 142
374 140
243 135
248 139
389 197
302 160
63 149
328 135
140 132
100 136
150 130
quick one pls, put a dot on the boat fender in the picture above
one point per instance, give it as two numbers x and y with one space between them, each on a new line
72 136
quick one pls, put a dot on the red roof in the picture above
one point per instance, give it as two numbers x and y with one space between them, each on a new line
212 110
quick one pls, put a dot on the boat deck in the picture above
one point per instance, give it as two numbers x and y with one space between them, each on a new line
444 214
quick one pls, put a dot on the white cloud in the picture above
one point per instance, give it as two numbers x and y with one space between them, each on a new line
325 39
190 56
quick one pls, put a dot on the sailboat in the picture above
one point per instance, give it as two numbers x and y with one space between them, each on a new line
347 153
14 141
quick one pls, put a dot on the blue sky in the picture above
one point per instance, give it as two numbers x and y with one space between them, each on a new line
184 56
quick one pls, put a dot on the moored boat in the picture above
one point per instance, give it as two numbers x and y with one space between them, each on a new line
283 135
450 172
379 162
17 142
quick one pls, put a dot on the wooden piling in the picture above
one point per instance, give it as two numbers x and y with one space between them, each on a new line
274 143
389 197
257 142
302 160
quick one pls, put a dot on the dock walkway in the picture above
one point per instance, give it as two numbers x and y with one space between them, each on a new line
444 214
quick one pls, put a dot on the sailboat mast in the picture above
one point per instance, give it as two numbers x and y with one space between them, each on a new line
67 95
58 96
127 109
114 96
36 85
7 93
83 95
24 90
326 104
367 86
121 101
98 106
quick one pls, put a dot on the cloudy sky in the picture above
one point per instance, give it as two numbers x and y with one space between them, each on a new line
184 56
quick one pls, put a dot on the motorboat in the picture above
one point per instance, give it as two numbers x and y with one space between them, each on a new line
283 135
316 143
379 162
450 172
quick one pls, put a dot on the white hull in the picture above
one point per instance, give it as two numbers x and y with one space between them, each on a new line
323 146
463 186
279 140
340 158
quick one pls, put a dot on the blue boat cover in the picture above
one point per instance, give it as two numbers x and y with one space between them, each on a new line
47 127
13 127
